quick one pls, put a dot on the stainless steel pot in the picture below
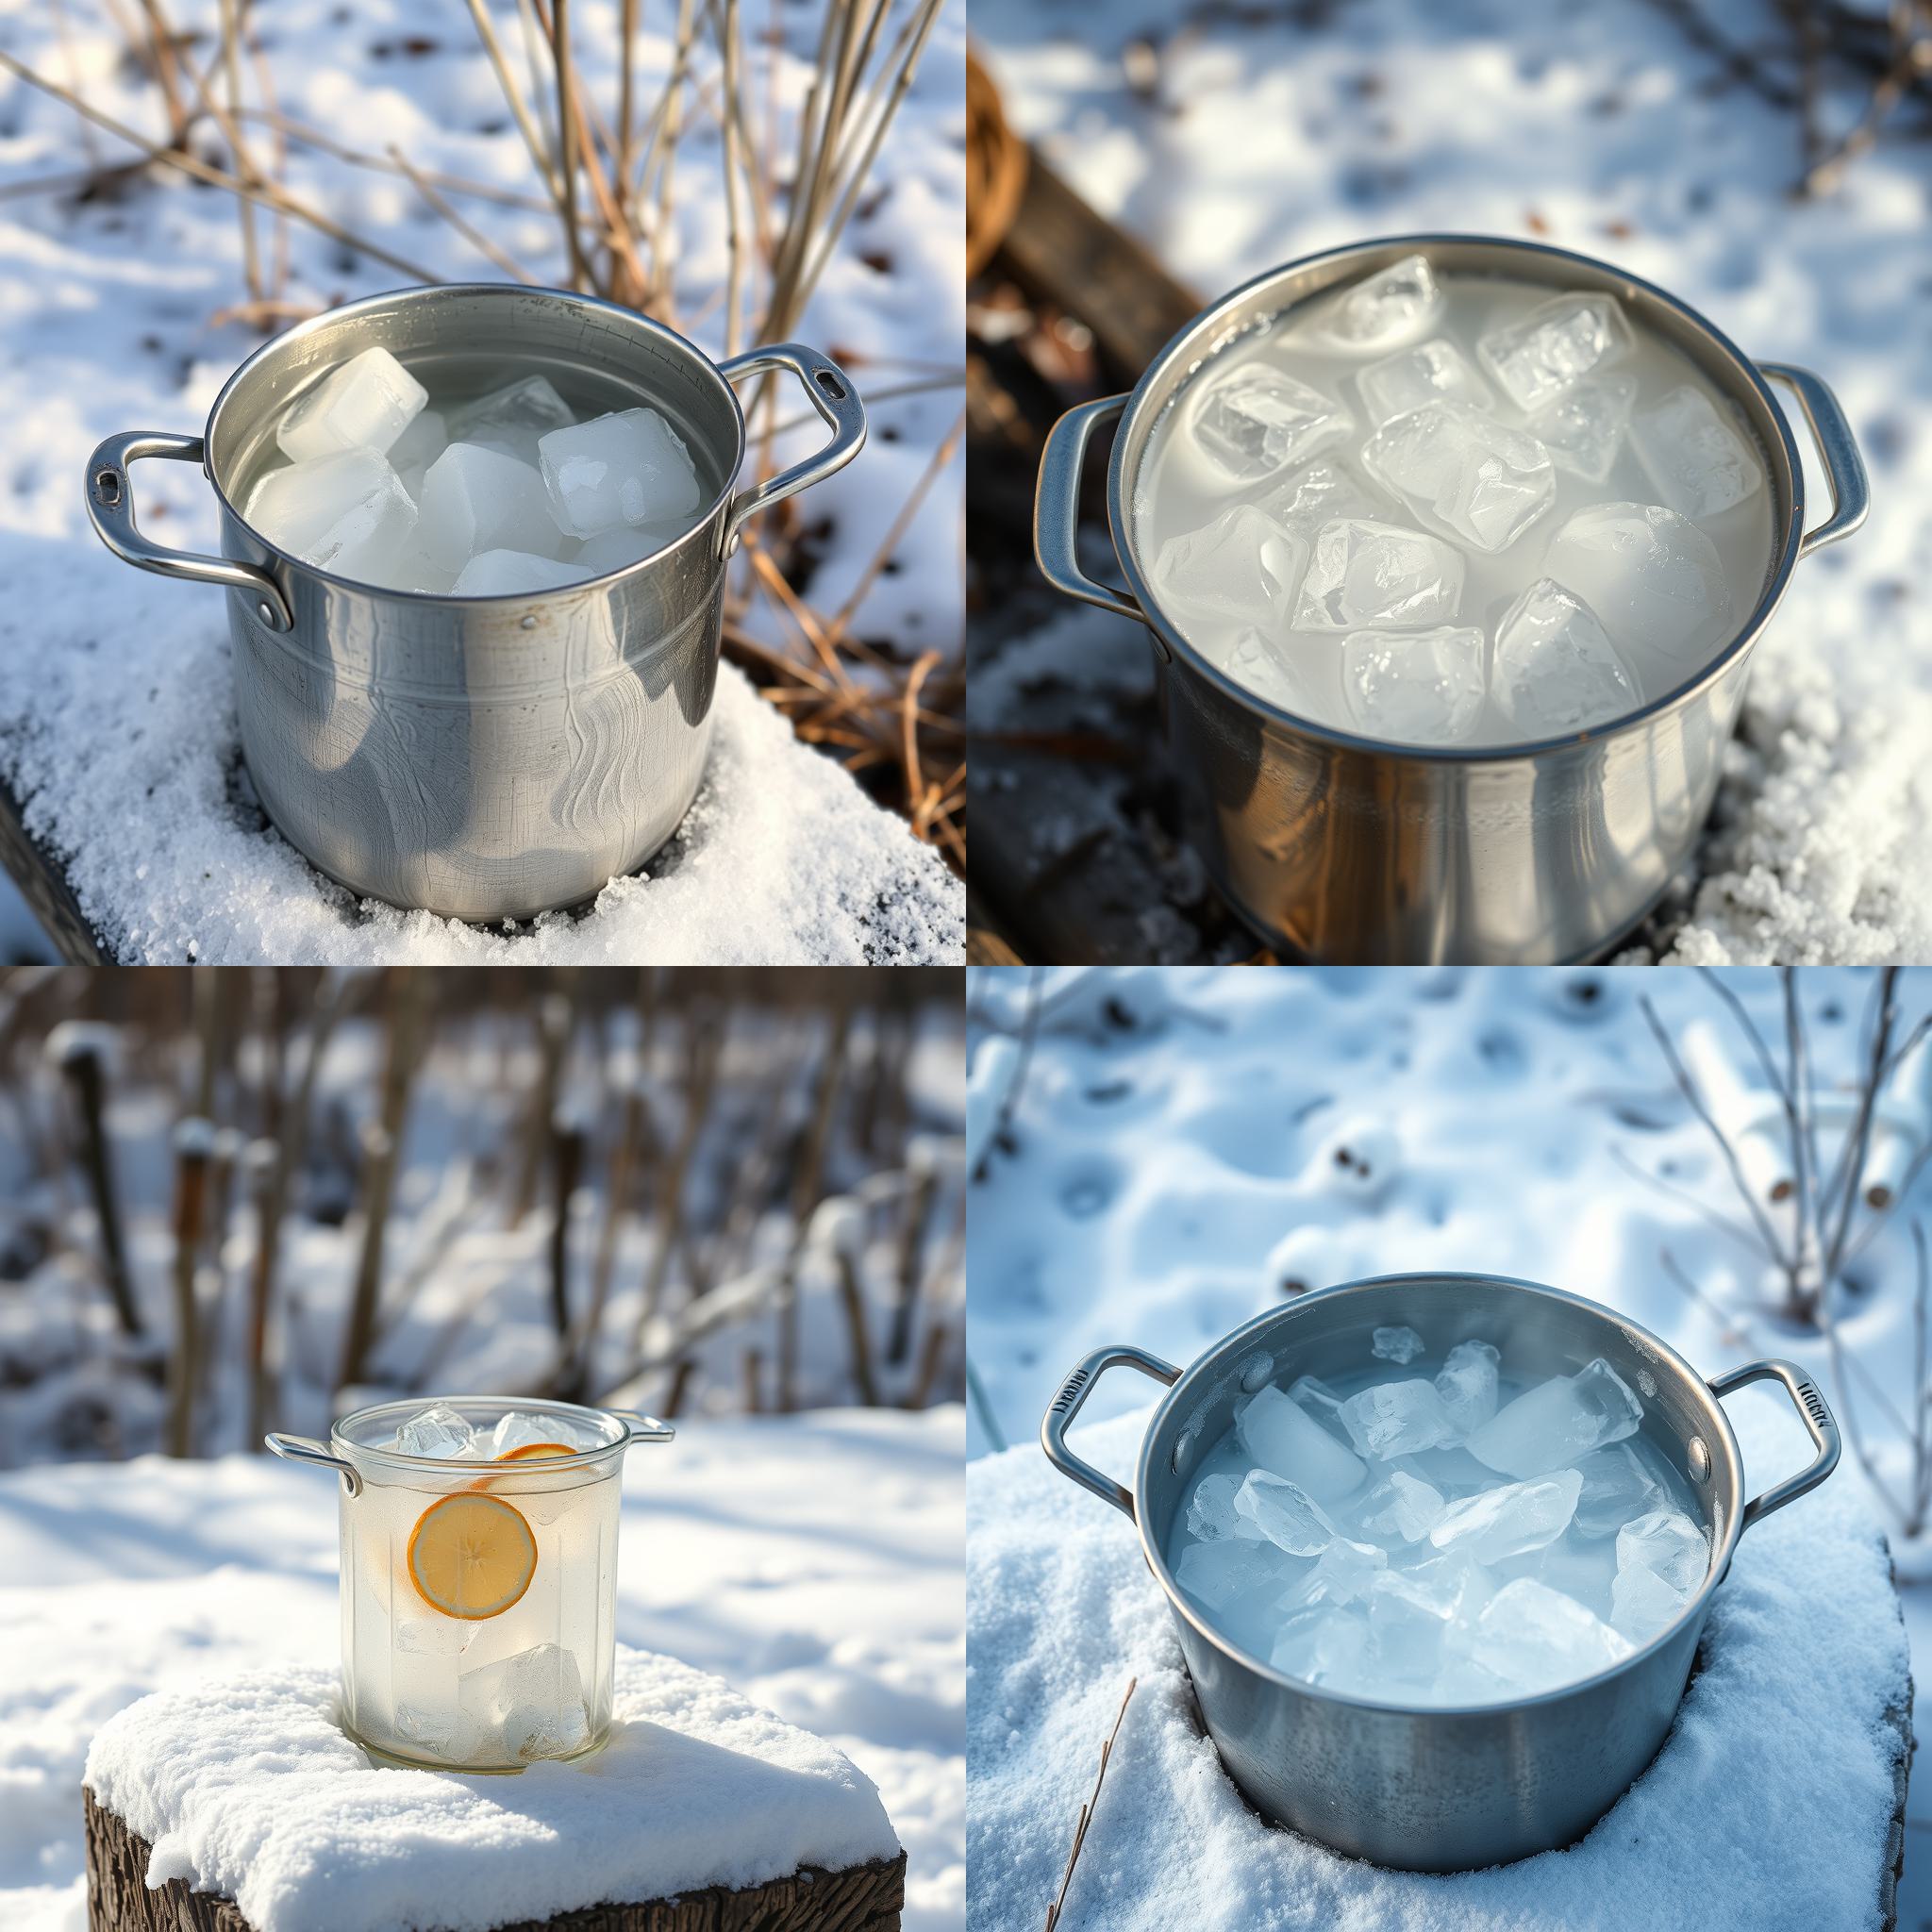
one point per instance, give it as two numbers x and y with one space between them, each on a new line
1338 848
1440 1790
491 757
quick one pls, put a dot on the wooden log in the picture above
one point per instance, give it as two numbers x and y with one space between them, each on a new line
861 1898
44 888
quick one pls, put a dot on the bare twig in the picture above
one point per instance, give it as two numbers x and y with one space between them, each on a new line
1087 1809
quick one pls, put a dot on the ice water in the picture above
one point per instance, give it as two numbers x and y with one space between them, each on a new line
491 1691
1440 1530
1534 430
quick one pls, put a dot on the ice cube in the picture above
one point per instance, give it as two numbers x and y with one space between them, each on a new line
1257 418
1553 347
1344 1573
1399 1345
628 468
1451 1469
518 1428
1483 483
1281 1436
1555 669
531 1705
1284 1514
1620 1483
1230 1570
1583 429
1321 1402
1211 1514
511 573
1326 1644
411 453
1432 371
433 1635
435 1431
1643 1604
1395 1418
435 1733
476 499
1467 1383
1408 1618
1699 462
1549 1426
514 417
1652 576
1509 1519
618 548
1666 1543
1242 567
1384 308
413 569
1400 1506
1534 1639
346 513
1364 573
1267 669
365 403
1414 686
1317 494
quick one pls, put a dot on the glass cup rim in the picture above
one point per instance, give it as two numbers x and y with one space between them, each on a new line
364 1457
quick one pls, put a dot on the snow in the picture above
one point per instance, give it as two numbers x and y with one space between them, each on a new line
738 1553
1604 129
1769 1805
1188 1148
247 1785
119 732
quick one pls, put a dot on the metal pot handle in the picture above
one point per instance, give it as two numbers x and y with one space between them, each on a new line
1067 1404
306 1449
110 504
643 1428
1812 1412
1056 508
831 392
1838 450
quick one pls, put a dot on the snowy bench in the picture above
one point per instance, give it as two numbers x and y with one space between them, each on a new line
239 1807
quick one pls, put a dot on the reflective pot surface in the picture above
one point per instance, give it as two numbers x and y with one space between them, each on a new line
1338 848
487 757
1439 1789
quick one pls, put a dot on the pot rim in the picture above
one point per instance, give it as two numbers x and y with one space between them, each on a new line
400 1461
418 292
1693 1611
1121 523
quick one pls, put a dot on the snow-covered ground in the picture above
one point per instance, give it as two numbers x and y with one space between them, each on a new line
812 1561
116 724
1178 1150
1232 139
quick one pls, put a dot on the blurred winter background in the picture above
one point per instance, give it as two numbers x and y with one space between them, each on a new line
1765 160
1158 1155
181 179
237 1201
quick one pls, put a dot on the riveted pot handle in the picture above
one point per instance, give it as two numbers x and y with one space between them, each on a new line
110 504
306 1449
830 391
643 1428
1810 1402
1067 1404
1056 508
1838 449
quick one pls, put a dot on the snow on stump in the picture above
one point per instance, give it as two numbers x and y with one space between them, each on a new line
1777 1799
239 1806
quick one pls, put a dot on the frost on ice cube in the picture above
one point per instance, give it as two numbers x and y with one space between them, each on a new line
1533 1637
1555 346
1387 306
1400 1506
1414 686
512 574
1432 371
1652 576
1222 1574
1466 1382
1317 494
1700 464
1583 429
1323 1644
1256 420
347 513
1400 1345
1284 1513
436 1431
365 403
1551 1426
1619 1484
1666 1543
514 417
1555 669
1509 1519
628 468
476 499
1242 567
1266 669
529 1706
1364 573
1344 1573
1396 1418
1281 1436
411 453
1211 1514
1484 483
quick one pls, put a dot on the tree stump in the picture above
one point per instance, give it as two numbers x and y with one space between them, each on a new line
861 1898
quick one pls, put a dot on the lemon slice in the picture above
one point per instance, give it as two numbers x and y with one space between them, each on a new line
529 1449
472 1555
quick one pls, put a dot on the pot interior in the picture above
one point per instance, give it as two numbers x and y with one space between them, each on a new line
467 340
367 1439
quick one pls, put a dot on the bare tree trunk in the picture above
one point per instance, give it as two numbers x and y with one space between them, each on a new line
918 1208
555 1020
85 1069
707 1045
194 1147
853 1297
808 1188
567 1164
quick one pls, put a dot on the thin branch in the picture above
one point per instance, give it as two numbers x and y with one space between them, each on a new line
1087 1809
